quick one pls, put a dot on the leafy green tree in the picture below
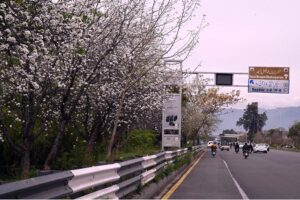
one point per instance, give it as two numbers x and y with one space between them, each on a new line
294 133
252 121
229 131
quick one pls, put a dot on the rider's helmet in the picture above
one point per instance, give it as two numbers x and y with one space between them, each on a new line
215 142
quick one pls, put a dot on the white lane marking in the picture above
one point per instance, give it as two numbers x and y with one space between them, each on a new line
243 194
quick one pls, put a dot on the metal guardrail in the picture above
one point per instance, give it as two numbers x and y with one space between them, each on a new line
43 187
93 176
106 181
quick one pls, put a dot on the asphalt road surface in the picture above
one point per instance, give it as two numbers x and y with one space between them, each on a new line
275 175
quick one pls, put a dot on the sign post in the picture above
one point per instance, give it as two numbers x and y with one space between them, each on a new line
269 80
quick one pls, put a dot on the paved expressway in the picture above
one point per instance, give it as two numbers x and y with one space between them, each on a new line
275 175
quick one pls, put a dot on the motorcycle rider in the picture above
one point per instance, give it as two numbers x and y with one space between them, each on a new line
250 147
236 147
246 147
213 147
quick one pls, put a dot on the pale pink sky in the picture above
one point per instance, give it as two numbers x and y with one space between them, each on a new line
243 33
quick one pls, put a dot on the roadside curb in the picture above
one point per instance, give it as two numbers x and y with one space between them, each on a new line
157 190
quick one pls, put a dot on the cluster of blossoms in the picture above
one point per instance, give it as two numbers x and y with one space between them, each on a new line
93 63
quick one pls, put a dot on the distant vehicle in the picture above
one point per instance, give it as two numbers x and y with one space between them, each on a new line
261 148
288 146
241 146
209 144
224 147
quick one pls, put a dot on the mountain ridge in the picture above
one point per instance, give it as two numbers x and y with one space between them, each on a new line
282 117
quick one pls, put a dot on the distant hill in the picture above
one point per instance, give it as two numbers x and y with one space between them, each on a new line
277 118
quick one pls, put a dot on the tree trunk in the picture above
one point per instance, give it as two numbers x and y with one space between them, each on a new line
25 162
91 144
57 142
116 122
28 126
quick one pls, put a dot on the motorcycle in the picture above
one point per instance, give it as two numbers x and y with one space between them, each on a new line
213 153
237 150
246 154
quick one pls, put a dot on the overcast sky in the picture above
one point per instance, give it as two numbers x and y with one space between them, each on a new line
243 33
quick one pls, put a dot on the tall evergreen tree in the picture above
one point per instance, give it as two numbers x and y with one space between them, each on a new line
294 133
252 121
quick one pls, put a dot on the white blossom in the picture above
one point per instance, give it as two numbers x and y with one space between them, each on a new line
9 19
53 22
24 24
23 49
32 57
2 5
27 34
38 21
18 119
3 47
12 40
7 31
35 85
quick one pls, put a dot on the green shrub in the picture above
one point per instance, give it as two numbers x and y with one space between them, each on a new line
141 141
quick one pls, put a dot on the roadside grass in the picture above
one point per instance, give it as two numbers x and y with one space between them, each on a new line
287 149
121 155
118 156
171 167
138 143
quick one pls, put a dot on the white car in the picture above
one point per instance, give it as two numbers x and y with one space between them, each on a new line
260 148
224 147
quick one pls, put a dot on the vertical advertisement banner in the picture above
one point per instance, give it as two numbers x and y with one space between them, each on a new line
171 121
